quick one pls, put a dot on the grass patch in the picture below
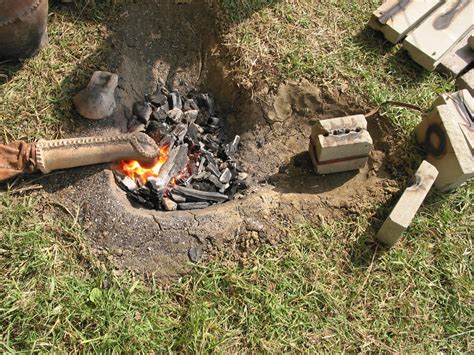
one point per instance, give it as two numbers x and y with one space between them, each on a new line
327 288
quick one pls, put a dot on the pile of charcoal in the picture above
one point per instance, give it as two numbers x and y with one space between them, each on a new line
199 166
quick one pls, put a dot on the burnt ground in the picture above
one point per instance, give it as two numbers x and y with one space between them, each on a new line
178 42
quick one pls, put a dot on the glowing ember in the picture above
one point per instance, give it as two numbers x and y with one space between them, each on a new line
140 171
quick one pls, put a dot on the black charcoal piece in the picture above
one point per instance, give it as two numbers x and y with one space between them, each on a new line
177 197
203 186
202 118
193 132
142 110
213 169
231 148
196 195
204 175
180 131
174 100
216 182
214 121
225 176
175 115
160 115
190 104
206 102
193 205
191 116
141 200
201 165
158 99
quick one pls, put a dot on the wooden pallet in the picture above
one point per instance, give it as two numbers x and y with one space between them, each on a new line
436 33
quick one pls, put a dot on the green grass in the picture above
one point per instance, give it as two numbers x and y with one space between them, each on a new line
326 288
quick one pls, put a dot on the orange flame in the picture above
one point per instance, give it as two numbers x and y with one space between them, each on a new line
140 171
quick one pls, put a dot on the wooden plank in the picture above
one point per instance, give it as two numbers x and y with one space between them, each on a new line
458 58
440 32
396 18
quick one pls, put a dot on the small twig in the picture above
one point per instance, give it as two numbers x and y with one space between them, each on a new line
26 188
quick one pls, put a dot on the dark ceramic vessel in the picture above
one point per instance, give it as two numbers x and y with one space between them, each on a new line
23 28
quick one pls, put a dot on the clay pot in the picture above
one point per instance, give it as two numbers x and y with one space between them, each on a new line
22 28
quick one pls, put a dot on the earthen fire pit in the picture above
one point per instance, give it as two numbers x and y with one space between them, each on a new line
176 42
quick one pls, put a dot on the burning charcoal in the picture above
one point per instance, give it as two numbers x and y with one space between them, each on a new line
158 99
192 205
206 102
213 169
191 116
231 148
177 197
180 131
225 176
175 115
167 141
168 204
143 111
128 184
196 195
176 162
174 100
190 104
160 115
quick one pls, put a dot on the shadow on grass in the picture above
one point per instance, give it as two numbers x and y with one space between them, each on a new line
400 63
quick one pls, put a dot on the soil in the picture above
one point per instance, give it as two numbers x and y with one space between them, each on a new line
177 41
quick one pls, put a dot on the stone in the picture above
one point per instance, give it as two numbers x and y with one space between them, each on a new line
97 100
471 41
466 81
439 33
195 253
396 18
447 149
405 210
168 204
